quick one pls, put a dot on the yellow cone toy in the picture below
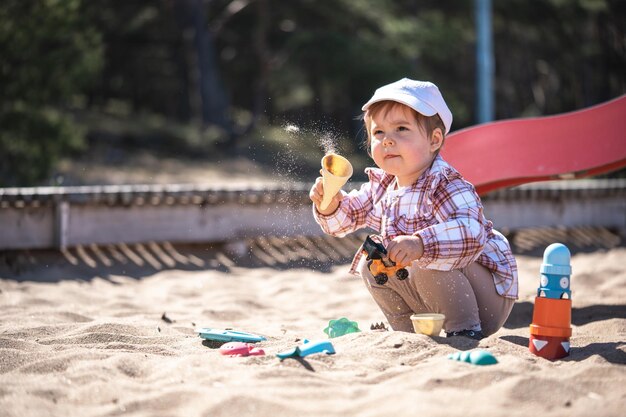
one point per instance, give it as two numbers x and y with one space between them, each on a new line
336 171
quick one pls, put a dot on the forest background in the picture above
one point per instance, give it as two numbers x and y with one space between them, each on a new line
113 85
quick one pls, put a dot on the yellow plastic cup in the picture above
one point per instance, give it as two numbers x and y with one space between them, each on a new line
429 324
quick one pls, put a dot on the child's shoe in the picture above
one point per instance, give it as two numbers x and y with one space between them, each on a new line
472 334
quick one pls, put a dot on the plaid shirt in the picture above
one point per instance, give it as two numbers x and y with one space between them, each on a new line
442 208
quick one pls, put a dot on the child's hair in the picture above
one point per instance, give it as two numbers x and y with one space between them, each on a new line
427 123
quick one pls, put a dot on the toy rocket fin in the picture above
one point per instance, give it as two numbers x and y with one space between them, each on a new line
539 344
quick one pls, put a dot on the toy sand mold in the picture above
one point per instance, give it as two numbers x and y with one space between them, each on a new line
429 324
336 171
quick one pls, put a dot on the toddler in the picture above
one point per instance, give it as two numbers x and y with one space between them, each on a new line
428 218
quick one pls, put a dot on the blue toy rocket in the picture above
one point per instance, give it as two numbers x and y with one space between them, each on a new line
552 315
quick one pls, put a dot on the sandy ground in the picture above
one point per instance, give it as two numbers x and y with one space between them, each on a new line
93 343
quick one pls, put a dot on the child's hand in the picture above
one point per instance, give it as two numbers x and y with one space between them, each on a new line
405 249
317 193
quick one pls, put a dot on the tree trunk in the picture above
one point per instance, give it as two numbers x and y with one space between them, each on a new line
208 101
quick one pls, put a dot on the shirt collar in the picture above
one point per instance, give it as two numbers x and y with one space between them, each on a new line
419 183
388 181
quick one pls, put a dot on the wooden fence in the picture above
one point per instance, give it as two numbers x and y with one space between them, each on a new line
61 217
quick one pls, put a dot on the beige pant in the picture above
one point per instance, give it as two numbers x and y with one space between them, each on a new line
466 296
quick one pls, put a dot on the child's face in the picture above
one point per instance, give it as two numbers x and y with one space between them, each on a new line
400 146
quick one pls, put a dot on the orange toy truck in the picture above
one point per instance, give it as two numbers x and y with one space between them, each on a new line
379 263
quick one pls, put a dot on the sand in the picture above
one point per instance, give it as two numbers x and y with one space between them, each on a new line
93 343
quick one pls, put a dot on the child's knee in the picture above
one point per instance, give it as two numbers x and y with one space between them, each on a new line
492 321
437 281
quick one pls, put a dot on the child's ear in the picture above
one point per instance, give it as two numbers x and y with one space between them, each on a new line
436 140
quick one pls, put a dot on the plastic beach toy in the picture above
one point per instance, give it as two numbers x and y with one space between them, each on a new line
551 329
240 349
429 324
340 327
221 335
475 357
555 273
336 171
308 348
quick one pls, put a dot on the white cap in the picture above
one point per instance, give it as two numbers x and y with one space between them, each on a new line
422 96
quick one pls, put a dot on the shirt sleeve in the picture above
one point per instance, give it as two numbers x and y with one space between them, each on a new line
355 212
459 237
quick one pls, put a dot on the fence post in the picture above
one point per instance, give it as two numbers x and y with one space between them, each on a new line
61 224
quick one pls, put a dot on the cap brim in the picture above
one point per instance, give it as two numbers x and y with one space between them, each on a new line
407 100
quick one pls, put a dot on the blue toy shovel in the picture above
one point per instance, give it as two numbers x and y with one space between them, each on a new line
308 348
228 335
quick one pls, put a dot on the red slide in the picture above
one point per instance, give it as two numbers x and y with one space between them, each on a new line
571 145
